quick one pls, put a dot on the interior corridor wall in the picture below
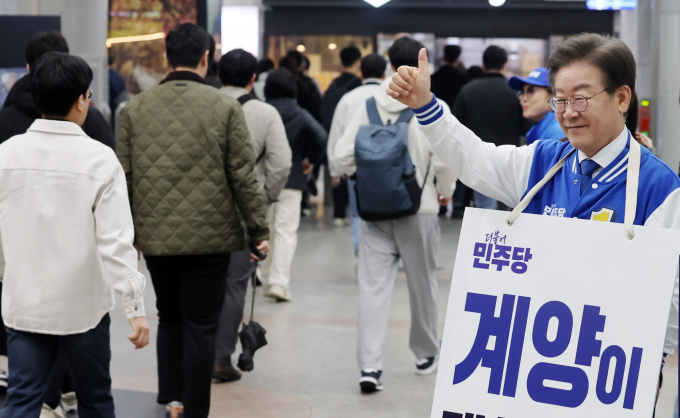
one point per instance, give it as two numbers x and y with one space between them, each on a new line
652 31
84 24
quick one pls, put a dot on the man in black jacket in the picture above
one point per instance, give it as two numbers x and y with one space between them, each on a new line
19 110
448 81
346 82
490 108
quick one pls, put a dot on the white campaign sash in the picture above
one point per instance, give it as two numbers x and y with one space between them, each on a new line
556 317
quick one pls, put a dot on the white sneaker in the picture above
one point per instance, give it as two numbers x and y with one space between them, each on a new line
280 293
47 412
69 402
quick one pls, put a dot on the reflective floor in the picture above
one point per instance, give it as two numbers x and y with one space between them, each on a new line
309 367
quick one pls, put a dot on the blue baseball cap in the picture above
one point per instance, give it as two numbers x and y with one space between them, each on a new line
538 77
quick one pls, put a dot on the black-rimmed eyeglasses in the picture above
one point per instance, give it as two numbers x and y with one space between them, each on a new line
578 103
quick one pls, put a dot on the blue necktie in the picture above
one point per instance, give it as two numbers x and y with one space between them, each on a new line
588 167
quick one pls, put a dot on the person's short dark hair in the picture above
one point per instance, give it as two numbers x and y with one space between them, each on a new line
280 84
186 44
305 63
404 51
451 53
633 114
474 72
42 43
349 56
295 56
610 55
373 66
57 81
264 66
290 64
494 58
237 68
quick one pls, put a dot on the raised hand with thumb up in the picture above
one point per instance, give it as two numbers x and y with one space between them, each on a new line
410 85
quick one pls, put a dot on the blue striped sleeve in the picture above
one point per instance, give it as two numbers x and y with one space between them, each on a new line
429 113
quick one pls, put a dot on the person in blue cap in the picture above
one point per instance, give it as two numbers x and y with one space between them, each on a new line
534 93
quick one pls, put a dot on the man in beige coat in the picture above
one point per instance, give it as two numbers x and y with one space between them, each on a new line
189 163
274 159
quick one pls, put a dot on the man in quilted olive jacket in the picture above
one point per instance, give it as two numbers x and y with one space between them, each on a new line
189 162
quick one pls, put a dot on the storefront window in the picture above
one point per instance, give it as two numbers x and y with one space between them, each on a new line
322 51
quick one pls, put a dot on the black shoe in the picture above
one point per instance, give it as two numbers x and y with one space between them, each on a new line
228 373
427 366
370 381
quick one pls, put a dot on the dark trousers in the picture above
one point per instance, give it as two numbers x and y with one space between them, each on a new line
32 362
62 381
240 271
340 200
189 295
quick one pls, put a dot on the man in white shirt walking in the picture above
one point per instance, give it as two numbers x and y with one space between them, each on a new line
373 73
63 196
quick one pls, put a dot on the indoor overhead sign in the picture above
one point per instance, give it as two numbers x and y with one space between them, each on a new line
376 3
611 4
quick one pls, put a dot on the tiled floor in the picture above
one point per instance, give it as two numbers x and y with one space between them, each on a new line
309 367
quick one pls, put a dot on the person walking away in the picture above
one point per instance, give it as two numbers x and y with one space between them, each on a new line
489 108
16 117
307 140
273 162
448 81
446 85
212 78
411 238
343 84
593 77
346 82
117 89
373 68
264 67
308 96
189 163
534 93
63 195
19 110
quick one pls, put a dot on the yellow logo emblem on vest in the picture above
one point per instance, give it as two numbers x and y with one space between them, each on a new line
603 215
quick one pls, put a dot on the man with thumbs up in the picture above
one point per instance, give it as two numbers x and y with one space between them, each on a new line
593 79
414 238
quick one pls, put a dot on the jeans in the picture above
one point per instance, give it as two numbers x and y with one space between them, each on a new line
189 295
484 202
354 212
33 358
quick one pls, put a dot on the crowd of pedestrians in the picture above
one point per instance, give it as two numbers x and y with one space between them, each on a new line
209 175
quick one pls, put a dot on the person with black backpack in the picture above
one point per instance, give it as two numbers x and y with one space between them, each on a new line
398 200
237 71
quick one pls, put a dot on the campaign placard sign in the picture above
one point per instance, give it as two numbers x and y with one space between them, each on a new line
555 317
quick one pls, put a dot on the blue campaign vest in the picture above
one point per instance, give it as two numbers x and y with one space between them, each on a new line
546 128
605 197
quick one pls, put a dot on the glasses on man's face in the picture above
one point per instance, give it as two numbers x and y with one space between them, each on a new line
578 103
88 95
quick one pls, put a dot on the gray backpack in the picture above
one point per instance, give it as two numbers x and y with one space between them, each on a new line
385 180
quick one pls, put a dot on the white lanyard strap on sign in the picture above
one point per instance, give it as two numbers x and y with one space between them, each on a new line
632 181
